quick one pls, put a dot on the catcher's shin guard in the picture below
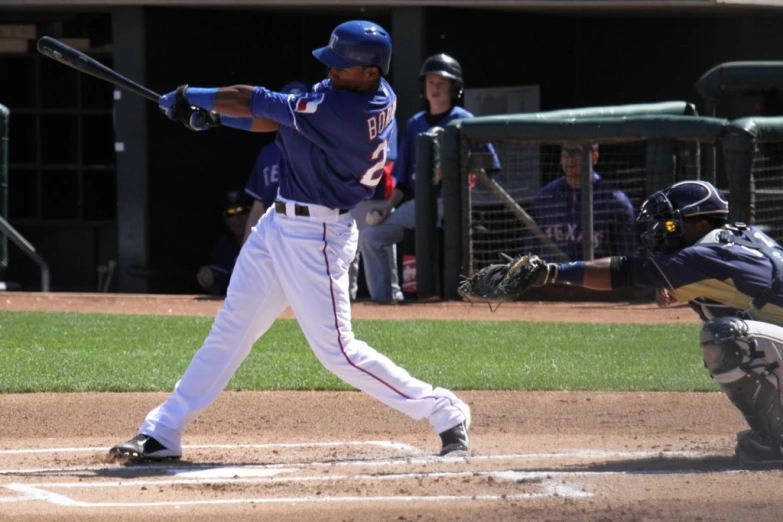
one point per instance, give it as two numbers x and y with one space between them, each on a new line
731 356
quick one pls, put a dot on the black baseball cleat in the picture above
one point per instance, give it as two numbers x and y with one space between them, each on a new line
756 451
143 447
455 439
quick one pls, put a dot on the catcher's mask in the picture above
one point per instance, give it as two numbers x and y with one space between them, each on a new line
663 213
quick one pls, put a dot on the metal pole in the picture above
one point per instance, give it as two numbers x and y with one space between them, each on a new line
711 158
587 202
427 266
28 249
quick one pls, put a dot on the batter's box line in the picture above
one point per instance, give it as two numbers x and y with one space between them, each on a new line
549 488
403 461
381 443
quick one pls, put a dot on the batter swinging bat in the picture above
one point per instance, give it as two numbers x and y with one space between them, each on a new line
69 56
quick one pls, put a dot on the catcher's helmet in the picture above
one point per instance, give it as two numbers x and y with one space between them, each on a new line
664 211
295 87
446 66
357 42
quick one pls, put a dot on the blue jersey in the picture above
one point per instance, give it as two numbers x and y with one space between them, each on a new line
265 176
557 209
391 155
715 278
333 142
380 189
404 171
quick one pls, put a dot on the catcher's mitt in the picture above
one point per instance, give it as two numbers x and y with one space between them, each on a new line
503 283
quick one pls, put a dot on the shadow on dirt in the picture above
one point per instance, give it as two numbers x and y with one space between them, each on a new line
662 465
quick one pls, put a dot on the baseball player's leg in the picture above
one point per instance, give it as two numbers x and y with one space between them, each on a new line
744 358
394 275
374 247
255 299
319 298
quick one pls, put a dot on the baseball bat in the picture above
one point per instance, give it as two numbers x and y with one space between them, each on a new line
74 59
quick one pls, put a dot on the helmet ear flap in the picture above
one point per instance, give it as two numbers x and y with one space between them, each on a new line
456 90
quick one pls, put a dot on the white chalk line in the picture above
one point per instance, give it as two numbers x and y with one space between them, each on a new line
65 501
175 468
549 487
509 475
381 443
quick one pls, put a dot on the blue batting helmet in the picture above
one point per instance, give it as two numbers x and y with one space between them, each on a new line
355 43
295 87
664 211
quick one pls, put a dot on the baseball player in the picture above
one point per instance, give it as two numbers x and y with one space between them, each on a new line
263 181
362 213
441 84
333 144
731 275
557 209
214 277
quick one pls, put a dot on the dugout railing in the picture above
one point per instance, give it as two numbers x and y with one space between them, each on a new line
7 231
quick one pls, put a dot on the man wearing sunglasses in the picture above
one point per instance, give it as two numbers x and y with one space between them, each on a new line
214 277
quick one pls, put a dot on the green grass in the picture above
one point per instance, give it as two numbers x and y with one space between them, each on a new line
55 352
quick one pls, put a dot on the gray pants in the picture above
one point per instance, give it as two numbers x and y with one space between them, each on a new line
390 253
374 241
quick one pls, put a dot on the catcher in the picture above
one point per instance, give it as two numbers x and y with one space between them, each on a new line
731 275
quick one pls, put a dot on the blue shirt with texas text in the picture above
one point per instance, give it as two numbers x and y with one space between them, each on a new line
265 176
557 209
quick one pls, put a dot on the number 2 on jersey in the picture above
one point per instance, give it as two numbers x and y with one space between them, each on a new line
372 176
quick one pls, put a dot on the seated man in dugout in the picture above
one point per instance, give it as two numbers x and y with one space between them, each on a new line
557 209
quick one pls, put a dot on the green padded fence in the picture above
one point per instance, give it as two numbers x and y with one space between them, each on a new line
738 77
753 154
638 153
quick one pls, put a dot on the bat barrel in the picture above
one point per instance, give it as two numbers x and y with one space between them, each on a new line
75 59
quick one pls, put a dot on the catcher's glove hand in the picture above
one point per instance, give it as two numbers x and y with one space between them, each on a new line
503 283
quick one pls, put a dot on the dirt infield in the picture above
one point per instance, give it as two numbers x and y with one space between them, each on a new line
341 456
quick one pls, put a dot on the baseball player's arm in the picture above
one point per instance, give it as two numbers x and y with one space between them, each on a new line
256 211
401 173
603 274
233 103
395 198
596 275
